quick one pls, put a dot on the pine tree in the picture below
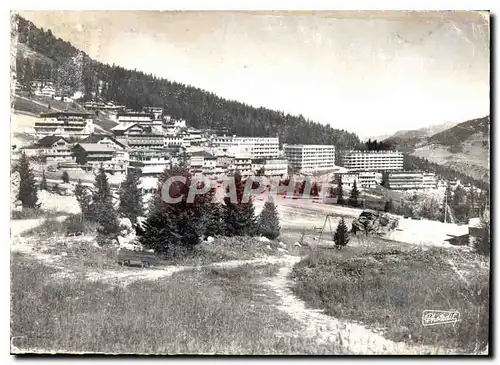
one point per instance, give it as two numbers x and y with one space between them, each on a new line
315 189
84 199
130 197
239 216
43 183
102 208
170 226
353 197
340 192
269 224
65 177
341 236
27 186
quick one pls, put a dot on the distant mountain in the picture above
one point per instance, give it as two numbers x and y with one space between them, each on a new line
465 147
407 139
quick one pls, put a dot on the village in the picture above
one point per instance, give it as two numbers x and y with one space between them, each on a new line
152 217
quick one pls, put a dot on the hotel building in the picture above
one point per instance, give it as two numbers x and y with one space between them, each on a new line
310 158
412 180
373 160
259 147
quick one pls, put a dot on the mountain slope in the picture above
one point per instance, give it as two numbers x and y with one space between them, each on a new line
201 109
464 147
406 140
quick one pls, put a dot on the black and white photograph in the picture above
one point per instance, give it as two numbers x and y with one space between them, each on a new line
250 182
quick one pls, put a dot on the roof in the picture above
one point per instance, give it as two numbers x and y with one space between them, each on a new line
48 141
95 147
95 138
67 113
124 126
203 154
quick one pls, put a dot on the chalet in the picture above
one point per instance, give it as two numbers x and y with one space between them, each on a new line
65 124
92 156
128 128
55 148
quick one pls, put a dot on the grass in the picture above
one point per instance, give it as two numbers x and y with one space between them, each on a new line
389 290
203 311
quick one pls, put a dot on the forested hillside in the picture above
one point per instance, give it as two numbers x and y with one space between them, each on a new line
72 70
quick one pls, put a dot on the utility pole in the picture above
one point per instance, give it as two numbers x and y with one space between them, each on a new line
445 205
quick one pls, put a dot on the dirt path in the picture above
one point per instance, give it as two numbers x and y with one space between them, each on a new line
353 338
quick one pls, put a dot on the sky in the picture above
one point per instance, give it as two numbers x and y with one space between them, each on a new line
372 73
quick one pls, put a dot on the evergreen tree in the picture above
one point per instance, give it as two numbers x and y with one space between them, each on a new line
353 197
102 209
269 224
315 189
341 236
171 225
84 199
65 177
340 192
239 216
389 206
130 197
385 179
27 186
43 183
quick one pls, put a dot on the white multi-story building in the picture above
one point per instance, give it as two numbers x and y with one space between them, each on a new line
259 147
64 124
150 162
364 179
373 160
429 180
141 118
271 167
310 158
411 180
202 162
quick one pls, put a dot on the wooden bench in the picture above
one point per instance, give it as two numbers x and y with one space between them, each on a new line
143 258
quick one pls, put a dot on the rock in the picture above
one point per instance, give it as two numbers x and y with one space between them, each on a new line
297 244
268 247
282 249
264 239
95 244
281 244
210 239
125 223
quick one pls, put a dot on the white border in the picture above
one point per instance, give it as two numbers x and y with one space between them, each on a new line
172 5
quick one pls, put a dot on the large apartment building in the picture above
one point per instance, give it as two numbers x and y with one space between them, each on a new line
310 158
412 180
258 147
64 124
373 160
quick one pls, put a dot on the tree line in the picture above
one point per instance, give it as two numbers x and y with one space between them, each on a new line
72 69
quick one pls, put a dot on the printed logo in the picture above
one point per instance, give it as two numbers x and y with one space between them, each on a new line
432 317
